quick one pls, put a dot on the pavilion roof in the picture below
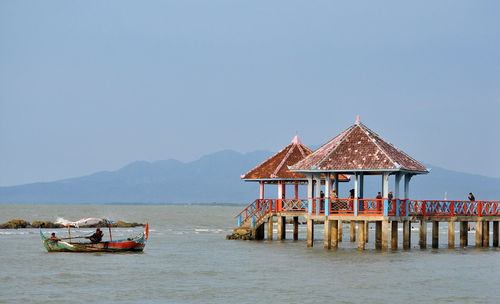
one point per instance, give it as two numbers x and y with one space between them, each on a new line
276 166
358 149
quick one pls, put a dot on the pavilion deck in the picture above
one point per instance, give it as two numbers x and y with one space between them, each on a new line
382 212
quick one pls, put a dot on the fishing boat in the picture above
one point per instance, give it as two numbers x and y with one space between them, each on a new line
68 244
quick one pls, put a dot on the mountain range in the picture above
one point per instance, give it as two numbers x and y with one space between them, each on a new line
215 178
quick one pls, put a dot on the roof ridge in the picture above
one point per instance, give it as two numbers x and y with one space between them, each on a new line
278 168
375 142
336 146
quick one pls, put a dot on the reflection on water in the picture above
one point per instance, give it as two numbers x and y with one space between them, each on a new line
188 260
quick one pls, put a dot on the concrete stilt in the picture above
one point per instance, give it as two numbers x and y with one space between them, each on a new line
367 230
495 234
327 243
464 234
406 234
295 228
394 235
479 234
353 231
361 235
340 230
310 232
270 223
423 235
435 234
486 234
281 228
378 234
335 234
259 232
385 230
451 234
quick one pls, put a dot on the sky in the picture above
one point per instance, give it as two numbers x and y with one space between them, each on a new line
87 86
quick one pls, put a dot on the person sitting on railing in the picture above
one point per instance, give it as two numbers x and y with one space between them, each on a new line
322 200
471 197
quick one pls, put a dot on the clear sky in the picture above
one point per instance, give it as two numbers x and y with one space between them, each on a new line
93 85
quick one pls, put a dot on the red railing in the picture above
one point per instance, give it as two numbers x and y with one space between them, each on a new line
260 207
371 206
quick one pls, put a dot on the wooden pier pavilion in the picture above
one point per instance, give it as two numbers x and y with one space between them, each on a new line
358 151
275 171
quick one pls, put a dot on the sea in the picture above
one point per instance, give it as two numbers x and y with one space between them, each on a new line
188 260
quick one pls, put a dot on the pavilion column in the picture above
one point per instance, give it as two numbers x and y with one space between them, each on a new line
336 176
328 183
296 191
423 234
353 223
385 230
356 193
310 232
407 185
261 190
464 234
340 230
435 234
317 190
397 179
327 243
385 184
394 235
407 192
361 185
406 234
378 234
335 234
385 192
479 233
495 234
309 193
451 234
486 234
295 228
283 189
281 228
270 223
361 235
280 190
367 230
353 231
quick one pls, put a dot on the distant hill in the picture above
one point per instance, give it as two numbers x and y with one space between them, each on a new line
216 178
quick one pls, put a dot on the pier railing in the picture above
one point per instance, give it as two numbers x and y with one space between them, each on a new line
259 208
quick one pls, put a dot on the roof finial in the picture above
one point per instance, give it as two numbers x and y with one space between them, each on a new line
296 140
358 120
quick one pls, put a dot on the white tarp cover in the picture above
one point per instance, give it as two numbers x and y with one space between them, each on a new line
83 222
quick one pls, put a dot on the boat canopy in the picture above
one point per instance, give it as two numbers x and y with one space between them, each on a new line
86 222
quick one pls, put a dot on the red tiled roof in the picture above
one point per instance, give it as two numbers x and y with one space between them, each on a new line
276 167
358 148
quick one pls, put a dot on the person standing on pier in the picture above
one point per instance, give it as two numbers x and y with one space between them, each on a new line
472 199
390 196
322 200
379 196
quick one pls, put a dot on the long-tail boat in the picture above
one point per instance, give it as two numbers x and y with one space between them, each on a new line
66 244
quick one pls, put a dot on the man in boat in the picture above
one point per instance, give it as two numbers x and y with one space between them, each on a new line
53 237
96 237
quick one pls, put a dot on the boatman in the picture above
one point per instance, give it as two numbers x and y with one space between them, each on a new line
53 237
96 237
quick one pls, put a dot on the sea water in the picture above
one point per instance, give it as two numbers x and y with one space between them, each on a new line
188 260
